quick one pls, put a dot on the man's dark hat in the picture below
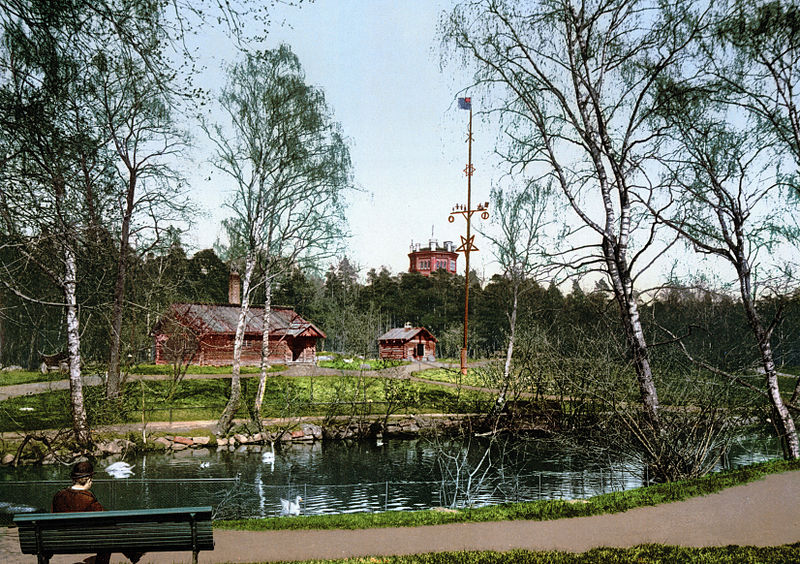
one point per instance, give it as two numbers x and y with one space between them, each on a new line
82 470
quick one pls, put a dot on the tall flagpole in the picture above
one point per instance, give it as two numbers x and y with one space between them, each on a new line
467 244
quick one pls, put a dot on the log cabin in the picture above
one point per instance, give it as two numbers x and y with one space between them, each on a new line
407 343
203 334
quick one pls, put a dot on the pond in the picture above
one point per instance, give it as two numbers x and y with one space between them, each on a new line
344 477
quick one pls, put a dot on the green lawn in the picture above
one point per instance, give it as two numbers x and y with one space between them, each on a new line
643 554
27 377
151 369
354 363
205 398
474 376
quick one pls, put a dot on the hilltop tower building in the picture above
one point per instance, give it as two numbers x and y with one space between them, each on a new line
426 260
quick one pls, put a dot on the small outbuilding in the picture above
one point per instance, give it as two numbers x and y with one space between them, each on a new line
407 343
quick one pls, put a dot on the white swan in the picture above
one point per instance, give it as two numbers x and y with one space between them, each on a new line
120 470
269 457
291 507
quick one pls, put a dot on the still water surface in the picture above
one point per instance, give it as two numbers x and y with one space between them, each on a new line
343 477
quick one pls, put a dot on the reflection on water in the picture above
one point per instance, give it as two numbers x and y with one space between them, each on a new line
345 477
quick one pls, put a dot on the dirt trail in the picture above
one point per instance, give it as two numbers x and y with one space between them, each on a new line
762 513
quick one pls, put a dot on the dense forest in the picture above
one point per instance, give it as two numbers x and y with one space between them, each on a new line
354 308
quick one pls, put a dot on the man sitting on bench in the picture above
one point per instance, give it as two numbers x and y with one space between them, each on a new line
77 498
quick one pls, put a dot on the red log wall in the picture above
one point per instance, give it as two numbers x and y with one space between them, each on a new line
217 350
406 350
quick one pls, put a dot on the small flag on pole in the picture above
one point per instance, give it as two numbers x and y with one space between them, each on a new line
465 103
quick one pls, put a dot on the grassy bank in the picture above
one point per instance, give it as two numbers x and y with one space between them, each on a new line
150 369
28 376
473 377
340 362
205 399
643 554
538 510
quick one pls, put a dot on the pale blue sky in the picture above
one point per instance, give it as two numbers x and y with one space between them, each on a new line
378 64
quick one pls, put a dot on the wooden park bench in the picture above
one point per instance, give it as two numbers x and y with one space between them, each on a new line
141 530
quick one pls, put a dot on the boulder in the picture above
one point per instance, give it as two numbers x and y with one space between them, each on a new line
201 440
409 426
183 441
241 439
163 441
179 446
313 431
111 447
8 458
222 441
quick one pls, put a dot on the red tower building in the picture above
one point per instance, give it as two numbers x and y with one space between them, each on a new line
433 257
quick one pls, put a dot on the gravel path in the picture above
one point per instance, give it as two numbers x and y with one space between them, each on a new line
762 513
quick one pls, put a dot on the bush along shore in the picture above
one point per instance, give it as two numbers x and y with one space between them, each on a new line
49 447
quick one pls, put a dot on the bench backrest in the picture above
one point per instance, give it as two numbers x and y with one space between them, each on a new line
141 530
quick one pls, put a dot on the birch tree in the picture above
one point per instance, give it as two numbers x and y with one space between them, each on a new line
754 57
134 107
290 166
723 195
55 181
522 217
572 80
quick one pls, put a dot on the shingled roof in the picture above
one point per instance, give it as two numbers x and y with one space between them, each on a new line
405 334
222 319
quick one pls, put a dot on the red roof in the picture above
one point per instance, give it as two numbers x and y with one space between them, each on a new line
405 334
222 319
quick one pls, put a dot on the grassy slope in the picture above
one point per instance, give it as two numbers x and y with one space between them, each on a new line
26 377
205 398
538 510
644 554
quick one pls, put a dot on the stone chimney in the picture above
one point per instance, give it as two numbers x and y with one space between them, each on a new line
234 292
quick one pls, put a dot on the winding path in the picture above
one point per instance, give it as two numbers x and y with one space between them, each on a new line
761 513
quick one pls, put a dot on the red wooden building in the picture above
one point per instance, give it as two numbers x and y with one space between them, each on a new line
407 343
203 334
427 260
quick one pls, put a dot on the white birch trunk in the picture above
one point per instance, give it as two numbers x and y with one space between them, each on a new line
502 397
783 419
262 378
80 423
226 419
629 311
